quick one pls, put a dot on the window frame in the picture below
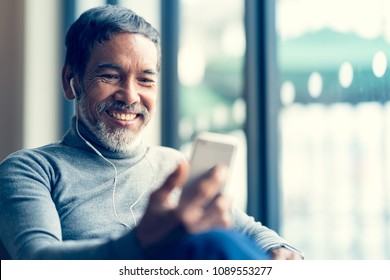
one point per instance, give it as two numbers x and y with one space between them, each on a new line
261 128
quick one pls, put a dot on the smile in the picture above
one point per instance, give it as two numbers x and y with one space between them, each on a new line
122 116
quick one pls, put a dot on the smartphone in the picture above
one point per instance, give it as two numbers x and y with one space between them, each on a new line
209 150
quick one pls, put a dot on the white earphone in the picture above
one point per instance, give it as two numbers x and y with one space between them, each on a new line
71 82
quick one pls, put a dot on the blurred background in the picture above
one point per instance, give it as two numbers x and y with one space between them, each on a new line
303 84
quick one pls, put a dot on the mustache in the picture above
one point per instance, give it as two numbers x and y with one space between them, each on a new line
134 108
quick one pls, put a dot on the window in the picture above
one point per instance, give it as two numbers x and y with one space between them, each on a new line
334 124
210 66
82 6
148 9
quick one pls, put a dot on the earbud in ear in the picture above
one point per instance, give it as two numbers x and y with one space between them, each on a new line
71 82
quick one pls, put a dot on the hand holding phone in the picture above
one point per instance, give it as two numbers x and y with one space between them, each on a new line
210 150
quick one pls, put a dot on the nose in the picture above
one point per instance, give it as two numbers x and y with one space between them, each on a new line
128 93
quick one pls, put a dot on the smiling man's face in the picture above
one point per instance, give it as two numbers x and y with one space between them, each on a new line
119 89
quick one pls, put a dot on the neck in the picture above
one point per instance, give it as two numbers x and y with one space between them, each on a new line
88 140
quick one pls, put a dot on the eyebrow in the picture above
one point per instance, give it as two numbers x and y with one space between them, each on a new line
109 66
117 67
149 71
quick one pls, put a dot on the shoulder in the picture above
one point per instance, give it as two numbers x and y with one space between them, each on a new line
30 160
28 155
21 157
166 154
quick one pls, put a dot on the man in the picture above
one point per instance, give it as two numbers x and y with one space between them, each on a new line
99 193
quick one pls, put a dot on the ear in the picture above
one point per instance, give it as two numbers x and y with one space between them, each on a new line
67 75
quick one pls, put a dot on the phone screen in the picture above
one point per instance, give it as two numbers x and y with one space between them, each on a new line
209 150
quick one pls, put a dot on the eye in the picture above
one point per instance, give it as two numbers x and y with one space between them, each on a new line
146 81
109 77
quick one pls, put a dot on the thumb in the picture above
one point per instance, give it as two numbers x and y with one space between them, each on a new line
176 179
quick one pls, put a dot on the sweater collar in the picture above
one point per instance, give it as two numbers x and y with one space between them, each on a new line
72 138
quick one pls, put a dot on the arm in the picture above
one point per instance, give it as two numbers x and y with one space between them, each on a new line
267 239
29 222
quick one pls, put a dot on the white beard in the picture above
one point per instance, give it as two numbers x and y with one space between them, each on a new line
121 140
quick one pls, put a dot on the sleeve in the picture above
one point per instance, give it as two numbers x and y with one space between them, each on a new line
264 237
29 222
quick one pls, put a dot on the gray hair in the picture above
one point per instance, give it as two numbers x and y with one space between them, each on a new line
98 25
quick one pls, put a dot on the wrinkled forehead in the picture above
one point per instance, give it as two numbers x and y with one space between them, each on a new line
125 50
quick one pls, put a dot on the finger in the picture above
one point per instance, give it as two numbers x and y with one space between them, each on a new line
285 254
296 256
218 174
219 211
176 179
211 222
217 214
205 189
220 203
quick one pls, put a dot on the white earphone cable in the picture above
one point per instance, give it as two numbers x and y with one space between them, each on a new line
147 189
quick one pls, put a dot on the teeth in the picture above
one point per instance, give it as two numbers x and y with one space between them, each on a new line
123 116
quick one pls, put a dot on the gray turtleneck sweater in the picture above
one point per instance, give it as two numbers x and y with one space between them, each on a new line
56 201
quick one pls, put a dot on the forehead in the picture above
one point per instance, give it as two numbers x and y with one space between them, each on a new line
125 49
